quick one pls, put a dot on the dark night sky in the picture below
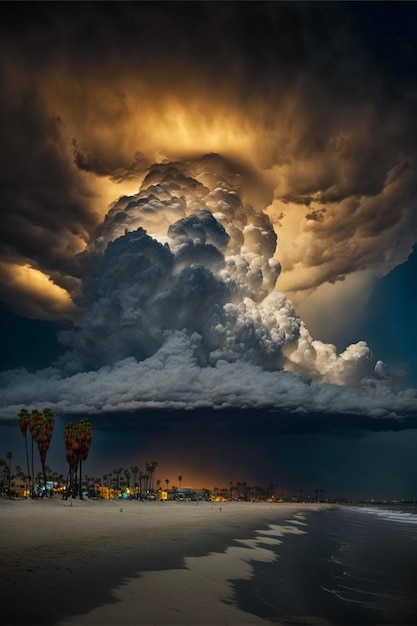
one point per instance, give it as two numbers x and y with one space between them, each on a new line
208 238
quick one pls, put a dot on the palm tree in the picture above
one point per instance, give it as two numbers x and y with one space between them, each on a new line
118 471
9 457
84 439
42 430
3 477
154 465
70 433
148 475
20 475
141 477
35 416
180 480
167 482
135 471
78 439
24 418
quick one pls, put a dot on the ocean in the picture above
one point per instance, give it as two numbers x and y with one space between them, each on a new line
353 566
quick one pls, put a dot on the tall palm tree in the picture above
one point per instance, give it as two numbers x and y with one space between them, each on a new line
148 467
71 454
118 471
141 477
42 430
35 416
9 457
24 418
3 475
154 465
146 482
150 470
134 470
167 482
180 480
78 439
127 477
84 440
19 472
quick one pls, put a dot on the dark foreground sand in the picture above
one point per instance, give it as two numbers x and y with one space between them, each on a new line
127 562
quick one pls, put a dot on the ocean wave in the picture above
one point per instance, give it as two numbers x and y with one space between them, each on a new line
406 517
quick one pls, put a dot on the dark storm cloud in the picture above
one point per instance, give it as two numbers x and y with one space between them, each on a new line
186 314
324 90
45 208
240 423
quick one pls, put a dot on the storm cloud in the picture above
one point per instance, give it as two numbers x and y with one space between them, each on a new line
189 317
297 93
177 182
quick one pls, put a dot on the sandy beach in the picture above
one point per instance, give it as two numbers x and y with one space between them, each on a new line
128 562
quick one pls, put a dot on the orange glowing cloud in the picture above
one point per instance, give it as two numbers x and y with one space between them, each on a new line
34 293
328 168
309 183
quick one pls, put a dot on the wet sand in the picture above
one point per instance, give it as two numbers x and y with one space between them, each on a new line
127 562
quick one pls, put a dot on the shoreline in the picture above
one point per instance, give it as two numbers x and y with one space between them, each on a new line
128 562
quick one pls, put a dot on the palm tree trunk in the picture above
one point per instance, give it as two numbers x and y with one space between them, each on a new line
8 479
81 482
71 480
33 473
27 460
66 492
44 478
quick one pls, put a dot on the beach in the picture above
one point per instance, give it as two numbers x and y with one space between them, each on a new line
129 562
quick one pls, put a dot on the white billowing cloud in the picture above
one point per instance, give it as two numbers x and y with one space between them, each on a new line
211 271
172 378
354 367
187 315
206 267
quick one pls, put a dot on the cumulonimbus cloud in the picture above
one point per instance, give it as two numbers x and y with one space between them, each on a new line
188 316
189 248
